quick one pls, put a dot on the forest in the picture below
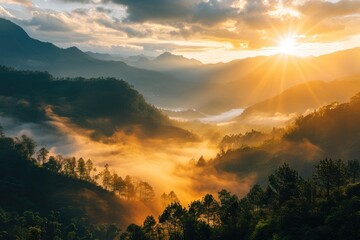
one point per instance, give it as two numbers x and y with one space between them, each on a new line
323 206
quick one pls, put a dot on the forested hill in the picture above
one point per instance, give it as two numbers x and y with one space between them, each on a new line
49 197
334 128
103 105
331 131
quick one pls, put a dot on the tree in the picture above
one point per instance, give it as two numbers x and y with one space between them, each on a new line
117 183
284 183
89 168
69 167
256 196
2 135
106 177
133 232
53 164
42 155
201 162
149 227
354 170
81 169
229 207
25 146
34 233
209 210
330 174
145 191
173 218
169 198
129 190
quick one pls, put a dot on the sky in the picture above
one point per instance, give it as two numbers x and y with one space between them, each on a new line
208 30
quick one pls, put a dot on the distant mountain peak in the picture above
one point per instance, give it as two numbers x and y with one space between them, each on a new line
170 56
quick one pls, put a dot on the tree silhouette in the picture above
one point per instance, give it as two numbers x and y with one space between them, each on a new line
284 183
354 170
330 174
42 155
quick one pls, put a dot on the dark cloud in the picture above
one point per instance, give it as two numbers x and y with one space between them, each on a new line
104 10
157 10
212 12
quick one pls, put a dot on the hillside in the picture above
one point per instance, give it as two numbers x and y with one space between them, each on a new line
305 97
55 203
331 131
333 128
104 106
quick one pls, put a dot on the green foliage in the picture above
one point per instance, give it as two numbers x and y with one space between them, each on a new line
290 208
330 174
284 183
354 170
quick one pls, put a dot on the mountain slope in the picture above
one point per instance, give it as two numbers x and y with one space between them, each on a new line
332 131
31 188
105 106
306 96
242 83
20 51
168 62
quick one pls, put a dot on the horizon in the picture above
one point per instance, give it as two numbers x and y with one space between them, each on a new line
211 32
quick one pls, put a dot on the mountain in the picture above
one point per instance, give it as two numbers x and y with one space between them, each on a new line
182 83
242 83
332 131
304 97
168 61
333 128
22 52
104 106
128 60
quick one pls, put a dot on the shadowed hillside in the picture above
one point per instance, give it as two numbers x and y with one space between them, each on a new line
102 105
70 204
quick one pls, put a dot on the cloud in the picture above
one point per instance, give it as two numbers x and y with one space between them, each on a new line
26 3
224 25
157 10
5 13
324 9
47 23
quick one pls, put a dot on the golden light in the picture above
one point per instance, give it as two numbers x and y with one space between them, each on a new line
287 45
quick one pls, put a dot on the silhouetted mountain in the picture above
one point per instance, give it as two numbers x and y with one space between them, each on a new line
128 60
103 105
305 97
22 52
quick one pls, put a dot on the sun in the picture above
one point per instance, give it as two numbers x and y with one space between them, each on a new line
287 45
